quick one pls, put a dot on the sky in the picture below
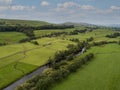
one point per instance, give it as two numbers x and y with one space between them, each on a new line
58 11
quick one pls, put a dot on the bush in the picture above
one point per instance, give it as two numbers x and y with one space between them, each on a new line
35 42
53 75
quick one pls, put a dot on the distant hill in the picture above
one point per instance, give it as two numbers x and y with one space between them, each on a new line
13 22
114 25
78 24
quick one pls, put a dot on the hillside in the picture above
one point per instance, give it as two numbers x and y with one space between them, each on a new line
14 22
78 24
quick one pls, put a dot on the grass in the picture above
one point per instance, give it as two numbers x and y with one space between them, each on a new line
13 48
98 35
13 22
11 37
46 32
40 55
100 74
9 74
36 55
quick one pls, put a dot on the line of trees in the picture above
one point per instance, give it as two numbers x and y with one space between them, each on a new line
75 32
103 43
29 30
60 66
50 76
114 35
3 44
66 54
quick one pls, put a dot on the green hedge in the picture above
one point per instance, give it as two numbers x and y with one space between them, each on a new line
51 75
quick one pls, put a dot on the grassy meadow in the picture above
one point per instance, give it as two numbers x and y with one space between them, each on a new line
13 22
34 58
9 74
98 35
100 74
46 32
11 37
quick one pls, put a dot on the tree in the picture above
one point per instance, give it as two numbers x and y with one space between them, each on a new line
119 42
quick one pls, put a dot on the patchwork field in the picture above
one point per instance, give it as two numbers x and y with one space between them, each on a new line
98 35
46 32
19 59
11 37
27 56
100 74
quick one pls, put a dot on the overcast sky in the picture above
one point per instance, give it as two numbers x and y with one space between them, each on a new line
58 11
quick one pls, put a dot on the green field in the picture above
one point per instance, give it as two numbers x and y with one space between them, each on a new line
14 22
18 59
103 73
98 35
36 55
46 32
11 37
9 74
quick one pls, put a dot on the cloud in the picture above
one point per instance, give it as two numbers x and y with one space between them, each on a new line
87 7
69 6
3 8
18 7
115 8
45 3
110 10
21 7
6 1
66 6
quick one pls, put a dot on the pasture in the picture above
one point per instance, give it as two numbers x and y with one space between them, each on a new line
11 37
18 59
98 35
14 22
100 74
46 32
27 57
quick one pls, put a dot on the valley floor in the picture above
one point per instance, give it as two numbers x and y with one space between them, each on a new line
19 59
103 73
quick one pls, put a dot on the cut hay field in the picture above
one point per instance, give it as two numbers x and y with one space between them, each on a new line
46 32
103 73
27 56
19 59
11 37
98 35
